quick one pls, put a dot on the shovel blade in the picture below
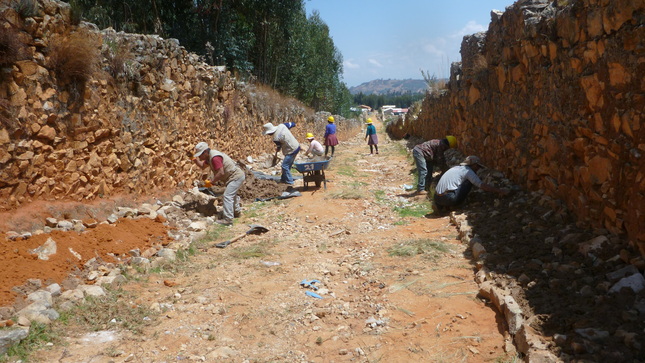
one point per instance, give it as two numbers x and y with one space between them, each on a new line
257 229
223 244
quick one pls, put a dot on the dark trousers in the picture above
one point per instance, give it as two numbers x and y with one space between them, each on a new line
454 197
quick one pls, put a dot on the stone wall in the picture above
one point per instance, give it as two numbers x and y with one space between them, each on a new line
553 95
131 127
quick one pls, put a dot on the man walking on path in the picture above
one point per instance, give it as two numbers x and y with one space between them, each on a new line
456 183
428 155
285 141
223 168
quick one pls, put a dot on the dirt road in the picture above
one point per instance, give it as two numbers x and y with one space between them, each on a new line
391 284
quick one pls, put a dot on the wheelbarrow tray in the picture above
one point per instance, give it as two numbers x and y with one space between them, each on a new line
313 172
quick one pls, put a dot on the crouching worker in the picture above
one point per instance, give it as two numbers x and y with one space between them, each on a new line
223 168
315 148
456 183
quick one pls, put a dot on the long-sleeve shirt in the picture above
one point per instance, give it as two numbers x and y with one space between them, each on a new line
371 130
284 139
330 129
434 150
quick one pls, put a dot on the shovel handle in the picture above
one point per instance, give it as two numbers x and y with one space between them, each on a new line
226 243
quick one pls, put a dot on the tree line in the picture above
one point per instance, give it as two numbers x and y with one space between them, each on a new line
269 41
402 100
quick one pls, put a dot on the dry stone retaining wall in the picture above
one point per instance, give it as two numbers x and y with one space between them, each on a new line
553 95
139 116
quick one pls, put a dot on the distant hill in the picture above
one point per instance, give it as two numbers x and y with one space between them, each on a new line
385 86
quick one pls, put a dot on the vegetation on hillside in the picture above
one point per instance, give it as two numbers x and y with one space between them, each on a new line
270 41
375 101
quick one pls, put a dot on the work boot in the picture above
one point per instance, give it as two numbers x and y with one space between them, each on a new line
224 222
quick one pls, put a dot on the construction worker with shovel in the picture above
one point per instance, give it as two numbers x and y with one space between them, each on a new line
290 147
223 168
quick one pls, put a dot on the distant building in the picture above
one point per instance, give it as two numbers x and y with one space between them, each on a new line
393 110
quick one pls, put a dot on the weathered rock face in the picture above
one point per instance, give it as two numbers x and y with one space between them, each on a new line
138 119
554 96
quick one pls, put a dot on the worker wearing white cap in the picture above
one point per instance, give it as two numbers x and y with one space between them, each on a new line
223 168
456 183
285 141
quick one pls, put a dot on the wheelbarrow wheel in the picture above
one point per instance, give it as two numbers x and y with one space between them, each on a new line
318 180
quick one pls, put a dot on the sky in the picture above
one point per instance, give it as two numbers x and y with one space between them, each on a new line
381 39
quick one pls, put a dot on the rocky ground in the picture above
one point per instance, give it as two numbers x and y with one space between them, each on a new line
360 271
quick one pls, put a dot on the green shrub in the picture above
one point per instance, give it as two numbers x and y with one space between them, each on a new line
26 8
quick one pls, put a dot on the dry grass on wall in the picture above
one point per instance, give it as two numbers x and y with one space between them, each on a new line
11 48
74 59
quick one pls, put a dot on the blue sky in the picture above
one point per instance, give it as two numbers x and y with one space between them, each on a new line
396 39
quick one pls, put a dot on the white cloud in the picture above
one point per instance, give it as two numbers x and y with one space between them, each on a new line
350 65
375 62
435 49
470 28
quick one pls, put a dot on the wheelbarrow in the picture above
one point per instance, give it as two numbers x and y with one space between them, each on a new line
313 172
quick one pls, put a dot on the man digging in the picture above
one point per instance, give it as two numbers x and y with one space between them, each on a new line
223 168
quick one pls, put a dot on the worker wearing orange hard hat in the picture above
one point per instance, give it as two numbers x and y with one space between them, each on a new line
429 154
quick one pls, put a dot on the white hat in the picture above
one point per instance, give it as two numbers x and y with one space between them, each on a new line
200 148
472 160
269 128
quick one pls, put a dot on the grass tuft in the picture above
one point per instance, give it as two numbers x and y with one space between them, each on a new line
428 248
115 309
252 251
39 334
414 210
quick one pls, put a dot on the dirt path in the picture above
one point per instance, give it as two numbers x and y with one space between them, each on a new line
395 286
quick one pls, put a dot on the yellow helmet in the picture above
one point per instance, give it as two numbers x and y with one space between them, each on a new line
310 135
369 121
452 141
330 118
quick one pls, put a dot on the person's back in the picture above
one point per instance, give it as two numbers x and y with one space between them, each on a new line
454 177
288 142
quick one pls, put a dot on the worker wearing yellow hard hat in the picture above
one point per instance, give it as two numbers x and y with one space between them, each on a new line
370 136
315 148
429 154
330 136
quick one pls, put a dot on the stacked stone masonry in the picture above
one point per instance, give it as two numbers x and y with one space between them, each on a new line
135 126
553 95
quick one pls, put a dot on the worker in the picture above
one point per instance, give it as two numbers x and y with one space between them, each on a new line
429 154
330 136
225 169
290 147
456 183
315 148
370 136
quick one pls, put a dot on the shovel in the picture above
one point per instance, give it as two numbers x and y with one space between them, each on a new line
255 229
